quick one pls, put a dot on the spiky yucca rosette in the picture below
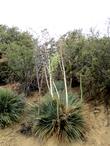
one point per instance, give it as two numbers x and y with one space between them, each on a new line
11 107
54 120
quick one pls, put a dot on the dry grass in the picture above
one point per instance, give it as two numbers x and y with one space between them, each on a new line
99 133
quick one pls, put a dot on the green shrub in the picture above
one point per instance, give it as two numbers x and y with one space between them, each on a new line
60 85
11 107
65 125
89 56
4 72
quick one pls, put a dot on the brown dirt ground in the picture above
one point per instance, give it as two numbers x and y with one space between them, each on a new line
98 133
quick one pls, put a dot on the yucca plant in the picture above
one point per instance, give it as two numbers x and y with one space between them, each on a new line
65 125
58 115
11 107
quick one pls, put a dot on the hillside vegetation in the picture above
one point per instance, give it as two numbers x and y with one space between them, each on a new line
53 69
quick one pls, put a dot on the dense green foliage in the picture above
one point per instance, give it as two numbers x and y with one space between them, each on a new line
11 107
90 57
18 48
28 59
